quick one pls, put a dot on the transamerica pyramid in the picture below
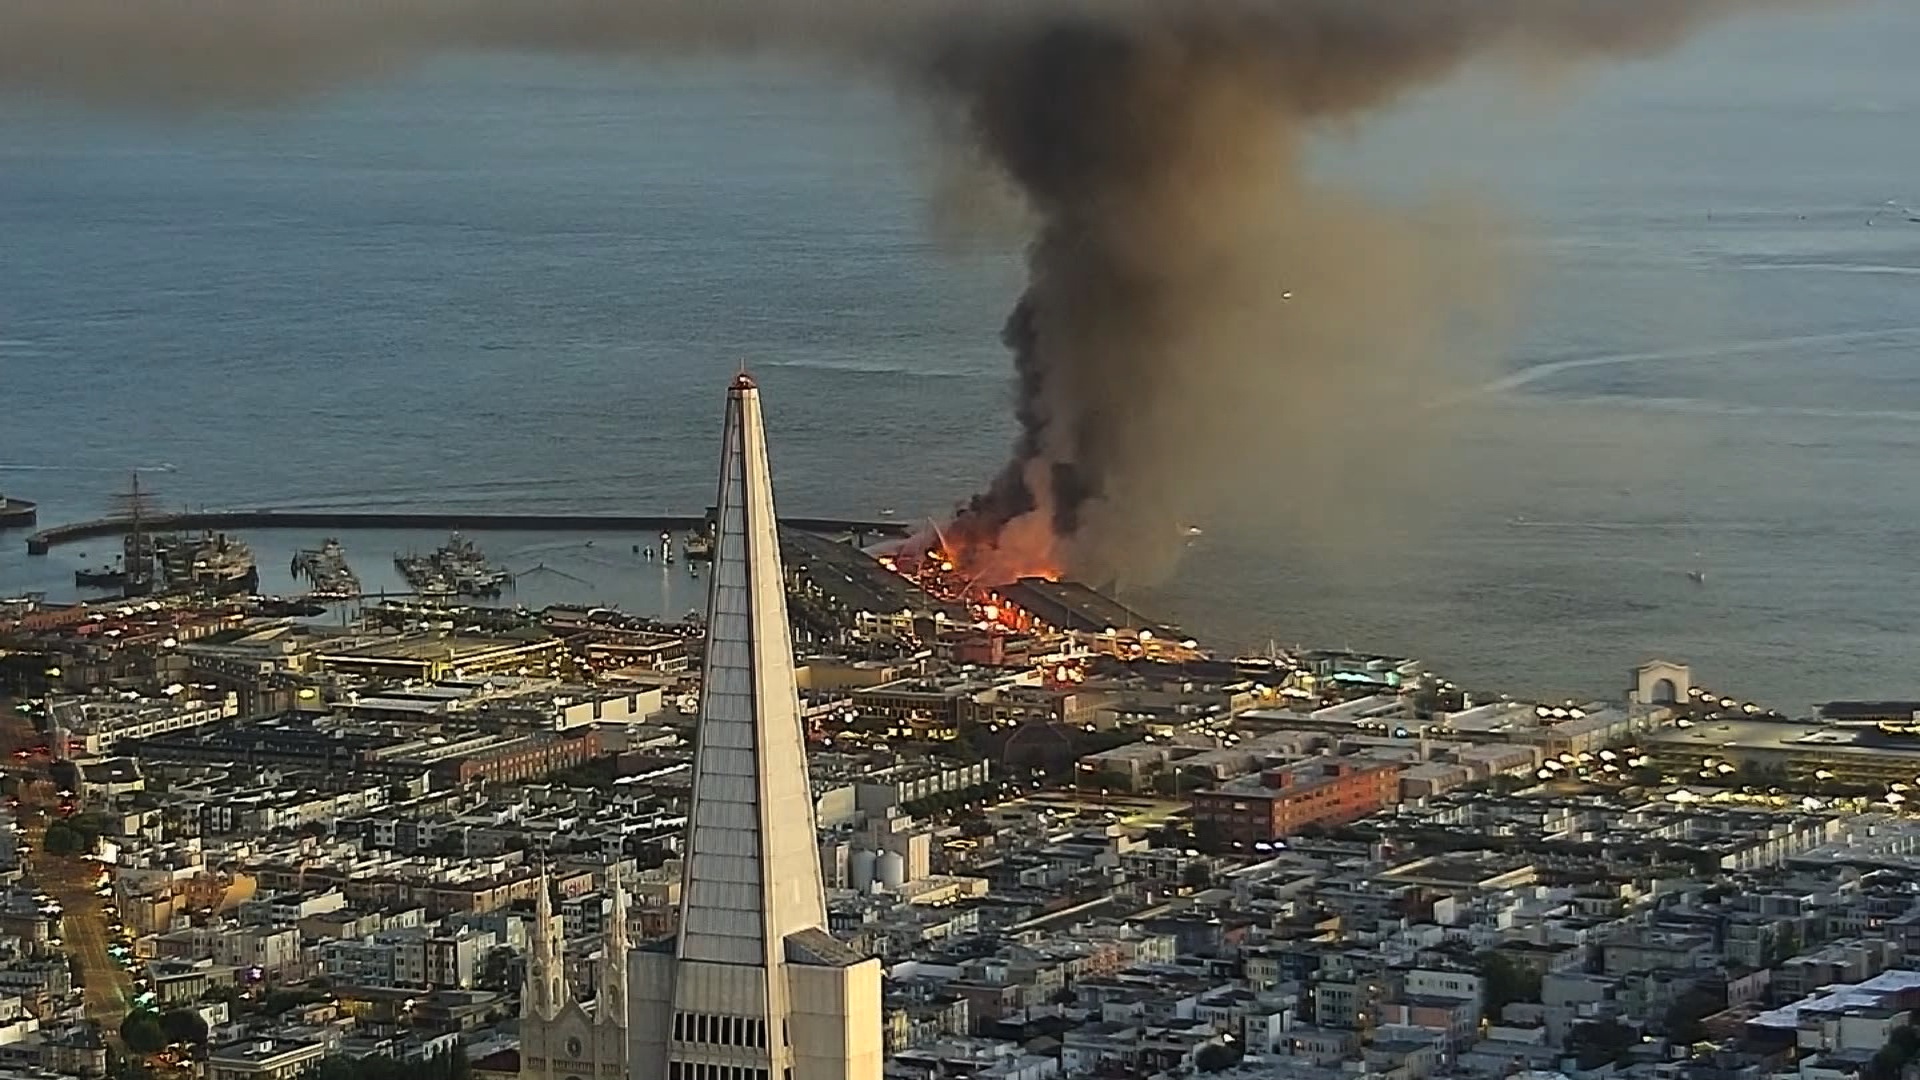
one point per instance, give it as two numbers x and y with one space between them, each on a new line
752 987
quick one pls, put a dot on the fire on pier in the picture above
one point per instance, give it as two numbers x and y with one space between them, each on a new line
1037 603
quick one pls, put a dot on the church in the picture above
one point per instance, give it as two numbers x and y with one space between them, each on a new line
562 1038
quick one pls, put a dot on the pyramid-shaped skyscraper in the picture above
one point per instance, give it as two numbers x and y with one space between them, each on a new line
752 987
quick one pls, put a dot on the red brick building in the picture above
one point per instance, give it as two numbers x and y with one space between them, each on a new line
1280 802
522 760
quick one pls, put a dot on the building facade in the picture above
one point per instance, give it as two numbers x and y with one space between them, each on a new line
562 1038
1280 802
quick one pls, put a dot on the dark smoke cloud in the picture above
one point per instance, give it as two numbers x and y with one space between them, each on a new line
1206 332
1204 328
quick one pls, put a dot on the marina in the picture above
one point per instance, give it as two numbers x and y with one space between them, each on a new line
622 566
327 572
44 541
456 568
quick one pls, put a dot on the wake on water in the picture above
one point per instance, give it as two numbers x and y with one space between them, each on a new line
1539 372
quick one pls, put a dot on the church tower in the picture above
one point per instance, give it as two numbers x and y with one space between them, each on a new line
560 1038
610 995
544 993
752 987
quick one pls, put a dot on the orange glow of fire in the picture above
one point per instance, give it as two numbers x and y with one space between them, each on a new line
990 567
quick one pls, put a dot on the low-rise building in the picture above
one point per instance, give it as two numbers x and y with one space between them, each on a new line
1280 802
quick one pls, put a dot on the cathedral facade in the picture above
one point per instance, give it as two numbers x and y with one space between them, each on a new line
562 1038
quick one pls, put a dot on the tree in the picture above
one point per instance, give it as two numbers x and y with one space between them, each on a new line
184 1026
63 839
1217 1057
226 992
1685 1015
279 1000
1601 1042
496 972
1900 1050
142 1033
1506 982
1198 875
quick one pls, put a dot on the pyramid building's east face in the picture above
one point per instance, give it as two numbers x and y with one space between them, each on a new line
752 987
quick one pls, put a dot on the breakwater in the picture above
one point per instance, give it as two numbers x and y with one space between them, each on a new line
344 521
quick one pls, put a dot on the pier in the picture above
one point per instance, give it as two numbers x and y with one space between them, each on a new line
341 521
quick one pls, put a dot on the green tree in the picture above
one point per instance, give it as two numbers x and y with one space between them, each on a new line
226 992
184 1026
280 1000
1601 1042
142 1033
1686 1015
1893 1058
60 840
1217 1057
1887 1064
1198 875
1644 776
496 972
1506 981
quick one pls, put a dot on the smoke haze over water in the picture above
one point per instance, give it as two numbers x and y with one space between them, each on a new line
1208 332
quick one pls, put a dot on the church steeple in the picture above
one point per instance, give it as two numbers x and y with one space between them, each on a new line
611 1007
544 993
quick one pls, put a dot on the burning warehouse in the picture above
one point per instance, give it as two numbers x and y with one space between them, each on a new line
1069 605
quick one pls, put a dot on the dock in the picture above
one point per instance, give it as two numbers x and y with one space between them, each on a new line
42 542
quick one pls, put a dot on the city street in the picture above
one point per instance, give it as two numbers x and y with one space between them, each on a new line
69 880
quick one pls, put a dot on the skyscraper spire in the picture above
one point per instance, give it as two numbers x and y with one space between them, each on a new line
752 869
752 980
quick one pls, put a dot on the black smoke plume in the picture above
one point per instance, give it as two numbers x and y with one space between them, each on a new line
1204 326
